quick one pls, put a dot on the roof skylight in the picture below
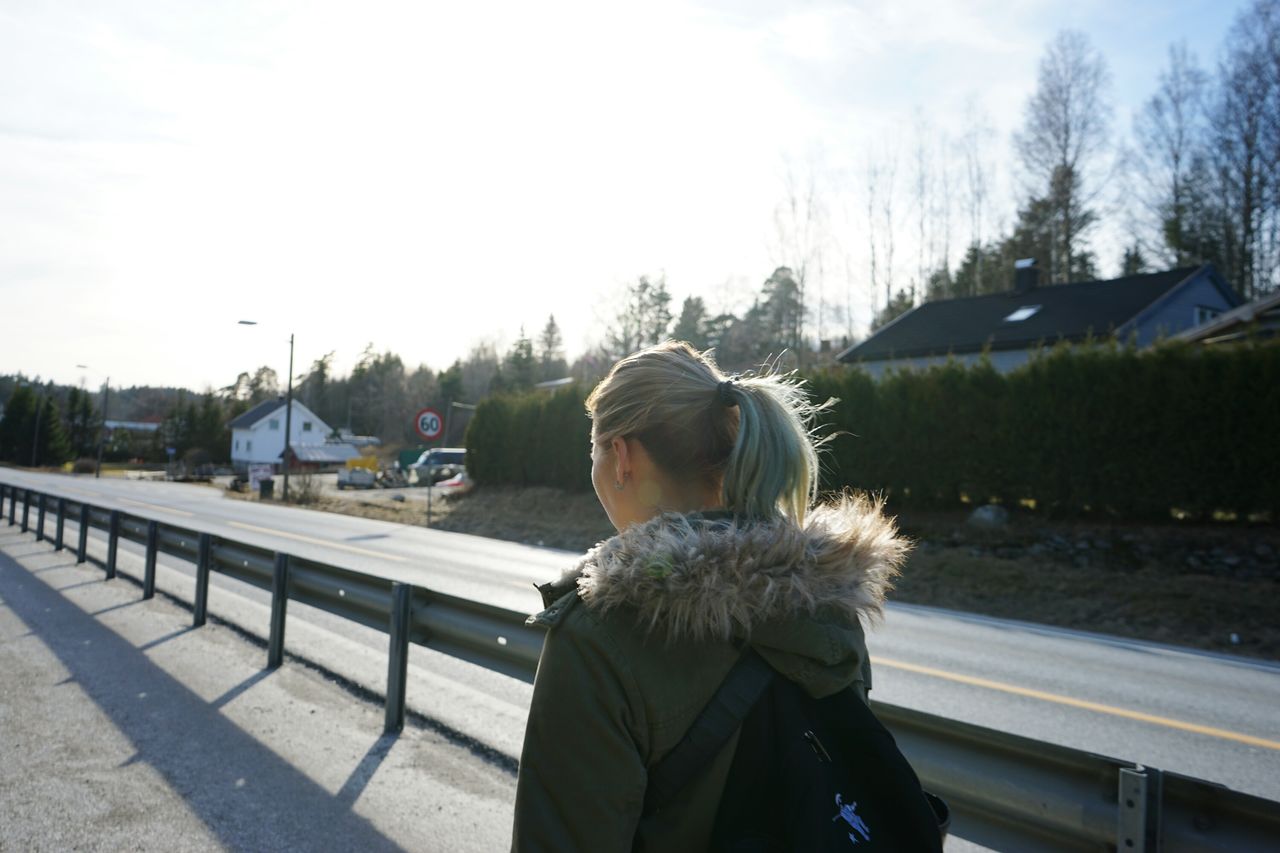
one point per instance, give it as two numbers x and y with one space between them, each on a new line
1022 313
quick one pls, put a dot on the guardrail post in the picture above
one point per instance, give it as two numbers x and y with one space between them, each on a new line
1138 815
41 503
279 604
62 520
26 508
398 656
149 575
203 558
13 498
113 540
83 547
4 490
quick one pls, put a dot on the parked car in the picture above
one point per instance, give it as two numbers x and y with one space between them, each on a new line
438 464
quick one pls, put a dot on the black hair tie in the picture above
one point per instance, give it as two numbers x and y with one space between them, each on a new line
724 393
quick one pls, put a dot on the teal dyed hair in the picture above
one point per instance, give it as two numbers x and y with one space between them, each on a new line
759 448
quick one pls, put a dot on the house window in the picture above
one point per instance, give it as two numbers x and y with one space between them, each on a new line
1203 314
275 423
248 446
237 444
306 426
1022 313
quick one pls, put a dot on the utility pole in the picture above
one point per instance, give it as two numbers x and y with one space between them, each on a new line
288 422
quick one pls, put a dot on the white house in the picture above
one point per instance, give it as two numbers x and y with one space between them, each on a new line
257 436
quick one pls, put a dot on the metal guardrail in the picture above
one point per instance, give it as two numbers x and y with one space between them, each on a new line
1006 792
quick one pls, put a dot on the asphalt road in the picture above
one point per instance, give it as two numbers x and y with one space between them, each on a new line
1203 715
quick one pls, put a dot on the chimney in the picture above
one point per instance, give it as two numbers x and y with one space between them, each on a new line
1026 275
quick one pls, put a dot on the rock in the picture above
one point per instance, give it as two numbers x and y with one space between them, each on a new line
989 517
398 498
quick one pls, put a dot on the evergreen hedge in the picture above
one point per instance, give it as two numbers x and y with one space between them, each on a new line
1095 428
532 440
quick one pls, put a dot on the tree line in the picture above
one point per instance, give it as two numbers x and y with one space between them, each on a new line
1197 180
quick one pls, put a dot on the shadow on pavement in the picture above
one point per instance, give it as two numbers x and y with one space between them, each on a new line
247 796
172 635
80 584
359 778
240 688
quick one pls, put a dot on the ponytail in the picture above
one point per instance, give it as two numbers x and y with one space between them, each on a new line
773 466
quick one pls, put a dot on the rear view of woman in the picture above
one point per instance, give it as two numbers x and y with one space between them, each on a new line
710 482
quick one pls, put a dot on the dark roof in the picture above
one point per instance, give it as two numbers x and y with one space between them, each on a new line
1067 312
257 413
323 452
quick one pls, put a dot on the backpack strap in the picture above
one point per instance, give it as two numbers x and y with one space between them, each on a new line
715 724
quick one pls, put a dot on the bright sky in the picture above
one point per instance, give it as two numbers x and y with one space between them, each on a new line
425 176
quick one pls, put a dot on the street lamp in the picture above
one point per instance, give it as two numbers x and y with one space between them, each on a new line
102 433
288 412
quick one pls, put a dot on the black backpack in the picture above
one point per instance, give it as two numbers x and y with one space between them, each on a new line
808 775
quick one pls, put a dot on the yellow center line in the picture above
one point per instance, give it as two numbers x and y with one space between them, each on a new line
157 506
1079 703
325 542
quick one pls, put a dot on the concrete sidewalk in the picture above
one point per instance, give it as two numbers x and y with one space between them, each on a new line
122 728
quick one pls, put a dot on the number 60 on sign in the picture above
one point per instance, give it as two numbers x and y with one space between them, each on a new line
429 424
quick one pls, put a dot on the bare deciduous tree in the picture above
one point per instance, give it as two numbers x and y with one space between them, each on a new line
881 175
800 222
1243 142
1062 140
1169 136
979 173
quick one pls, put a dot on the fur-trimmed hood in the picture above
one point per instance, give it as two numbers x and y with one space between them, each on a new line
708 577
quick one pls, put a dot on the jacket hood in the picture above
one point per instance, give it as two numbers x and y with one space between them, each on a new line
702 577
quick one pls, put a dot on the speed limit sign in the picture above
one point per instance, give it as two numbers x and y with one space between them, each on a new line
429 424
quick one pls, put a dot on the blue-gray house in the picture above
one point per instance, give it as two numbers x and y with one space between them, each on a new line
1013 325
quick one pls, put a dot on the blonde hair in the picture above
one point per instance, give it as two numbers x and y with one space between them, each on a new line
752 434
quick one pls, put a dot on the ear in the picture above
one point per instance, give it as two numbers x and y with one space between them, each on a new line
621 458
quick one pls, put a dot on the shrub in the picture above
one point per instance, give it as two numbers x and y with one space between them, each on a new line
1093 428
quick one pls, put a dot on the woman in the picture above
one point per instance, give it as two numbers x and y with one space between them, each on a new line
710 481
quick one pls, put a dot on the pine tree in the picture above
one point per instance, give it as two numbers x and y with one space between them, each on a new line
643 319
692 323
519 368
551 363
1133 263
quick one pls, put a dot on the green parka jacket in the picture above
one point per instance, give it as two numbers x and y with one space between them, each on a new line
641 633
